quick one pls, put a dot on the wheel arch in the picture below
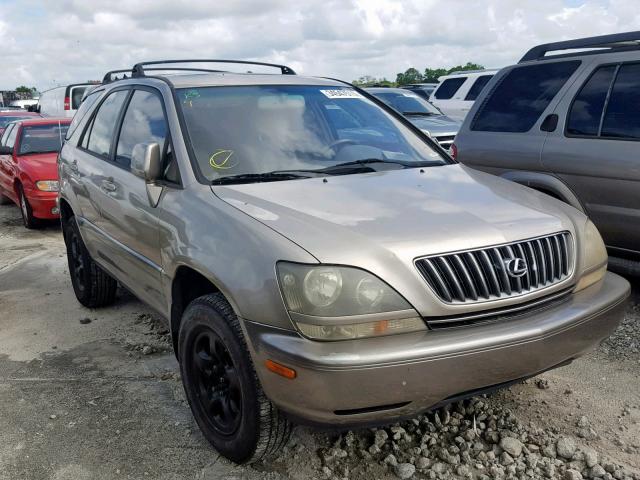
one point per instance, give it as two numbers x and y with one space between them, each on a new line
546 183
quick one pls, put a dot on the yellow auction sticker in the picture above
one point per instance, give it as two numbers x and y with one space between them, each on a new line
220 159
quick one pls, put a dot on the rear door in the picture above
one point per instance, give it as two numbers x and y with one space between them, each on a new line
448 97
128 220
503 131
596 153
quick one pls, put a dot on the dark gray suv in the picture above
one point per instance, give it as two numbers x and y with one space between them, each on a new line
568 124
316 256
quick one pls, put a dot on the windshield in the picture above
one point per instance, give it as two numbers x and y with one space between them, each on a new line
42 138
249 130
407 103
4 120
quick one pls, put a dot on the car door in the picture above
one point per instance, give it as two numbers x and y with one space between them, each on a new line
6 162
128 219
596 154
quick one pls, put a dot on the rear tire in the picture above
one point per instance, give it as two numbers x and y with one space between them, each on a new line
92 285
222 387
28 219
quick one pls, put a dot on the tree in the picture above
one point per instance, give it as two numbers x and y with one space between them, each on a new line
432 75
411 75
26 91
369 81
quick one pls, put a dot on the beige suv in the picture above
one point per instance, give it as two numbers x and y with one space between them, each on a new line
317 257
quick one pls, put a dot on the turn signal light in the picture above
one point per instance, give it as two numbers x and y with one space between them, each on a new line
281 370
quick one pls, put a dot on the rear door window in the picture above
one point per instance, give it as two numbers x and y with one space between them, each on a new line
99 135
521 96
477 87
586 109
449 88
622 116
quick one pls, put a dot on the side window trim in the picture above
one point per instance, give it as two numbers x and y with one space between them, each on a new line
88 128
607 98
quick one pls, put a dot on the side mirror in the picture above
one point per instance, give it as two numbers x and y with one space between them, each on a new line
145 161
6 150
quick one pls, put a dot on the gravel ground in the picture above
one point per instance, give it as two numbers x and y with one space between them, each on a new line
96 394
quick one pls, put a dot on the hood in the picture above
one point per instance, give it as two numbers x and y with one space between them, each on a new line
436 124
352 219
40 166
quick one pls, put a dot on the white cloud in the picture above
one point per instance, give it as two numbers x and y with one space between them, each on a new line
49 43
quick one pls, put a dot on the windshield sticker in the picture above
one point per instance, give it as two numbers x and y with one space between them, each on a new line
190 96
341 93
220 160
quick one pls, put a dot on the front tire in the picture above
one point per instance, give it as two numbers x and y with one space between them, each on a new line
28 219
92 285
222 387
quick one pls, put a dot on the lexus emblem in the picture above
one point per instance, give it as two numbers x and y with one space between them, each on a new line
516 267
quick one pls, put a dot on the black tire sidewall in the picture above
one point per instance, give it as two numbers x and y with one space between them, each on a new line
70 230
27 218
240 446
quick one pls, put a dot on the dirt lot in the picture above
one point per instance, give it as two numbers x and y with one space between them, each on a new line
95 394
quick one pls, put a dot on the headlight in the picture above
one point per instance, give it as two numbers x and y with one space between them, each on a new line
594 257
340 303
47 185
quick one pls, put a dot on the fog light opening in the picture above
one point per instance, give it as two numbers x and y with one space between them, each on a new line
281 370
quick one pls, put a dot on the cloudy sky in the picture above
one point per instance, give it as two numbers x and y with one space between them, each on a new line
45 43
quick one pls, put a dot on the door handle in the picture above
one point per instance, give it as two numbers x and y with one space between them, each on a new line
108 186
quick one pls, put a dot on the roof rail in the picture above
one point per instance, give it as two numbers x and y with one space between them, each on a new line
139 68
615 42
458 72
108 76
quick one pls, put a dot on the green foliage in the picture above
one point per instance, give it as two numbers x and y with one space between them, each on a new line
24 89
413 75
369 81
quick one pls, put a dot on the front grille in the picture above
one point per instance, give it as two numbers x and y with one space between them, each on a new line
499 272
445 141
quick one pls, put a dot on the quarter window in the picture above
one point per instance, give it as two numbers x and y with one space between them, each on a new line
449 87
622 116
521 96
144 122
586 110
477 87
99 135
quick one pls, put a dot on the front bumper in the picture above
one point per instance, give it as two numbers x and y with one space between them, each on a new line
43 204
379 380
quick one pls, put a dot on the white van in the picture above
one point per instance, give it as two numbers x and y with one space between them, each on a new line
457 91
62 101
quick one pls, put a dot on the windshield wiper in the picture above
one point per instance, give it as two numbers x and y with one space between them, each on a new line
256 178
419 114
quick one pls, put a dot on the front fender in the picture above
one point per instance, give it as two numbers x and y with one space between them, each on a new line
545 183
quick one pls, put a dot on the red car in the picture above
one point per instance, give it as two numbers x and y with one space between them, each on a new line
9 116
28 172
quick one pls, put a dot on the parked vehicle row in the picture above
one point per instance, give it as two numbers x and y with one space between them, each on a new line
62 101
301 236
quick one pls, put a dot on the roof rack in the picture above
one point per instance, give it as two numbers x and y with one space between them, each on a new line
606 43
139 68
459 72
108 76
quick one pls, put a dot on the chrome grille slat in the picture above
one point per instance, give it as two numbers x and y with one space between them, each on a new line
481 274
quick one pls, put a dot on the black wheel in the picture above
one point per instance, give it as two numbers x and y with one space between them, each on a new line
221 385
92 285
25 209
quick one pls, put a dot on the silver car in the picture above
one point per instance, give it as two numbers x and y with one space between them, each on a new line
317 257
421 113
